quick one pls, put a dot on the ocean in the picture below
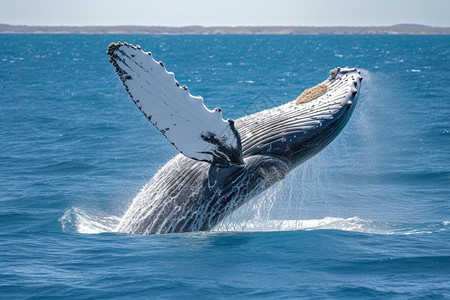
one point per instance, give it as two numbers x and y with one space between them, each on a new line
367 218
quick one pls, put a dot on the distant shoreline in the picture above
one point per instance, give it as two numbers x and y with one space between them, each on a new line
202 30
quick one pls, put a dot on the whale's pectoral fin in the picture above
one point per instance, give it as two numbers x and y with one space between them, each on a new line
193 129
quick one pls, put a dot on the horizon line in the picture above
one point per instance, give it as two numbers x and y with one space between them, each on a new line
229 26
396 29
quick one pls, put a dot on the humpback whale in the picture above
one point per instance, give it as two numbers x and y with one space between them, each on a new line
222 163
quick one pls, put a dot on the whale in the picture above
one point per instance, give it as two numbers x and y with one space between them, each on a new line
222 164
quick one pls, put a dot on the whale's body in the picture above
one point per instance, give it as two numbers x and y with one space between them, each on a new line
236 162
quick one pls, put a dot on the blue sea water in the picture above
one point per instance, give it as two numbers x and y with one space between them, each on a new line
368 218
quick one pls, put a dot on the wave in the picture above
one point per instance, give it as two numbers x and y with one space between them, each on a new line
353 224
79 221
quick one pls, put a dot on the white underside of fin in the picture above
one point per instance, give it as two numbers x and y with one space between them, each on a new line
195 130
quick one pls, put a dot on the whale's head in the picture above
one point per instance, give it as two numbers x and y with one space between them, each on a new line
299 129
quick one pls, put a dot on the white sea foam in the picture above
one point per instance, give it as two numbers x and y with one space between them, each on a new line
77 220
353 224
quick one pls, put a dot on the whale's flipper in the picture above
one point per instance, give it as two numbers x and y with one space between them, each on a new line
196 131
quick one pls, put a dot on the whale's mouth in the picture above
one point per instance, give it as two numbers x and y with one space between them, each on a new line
299 129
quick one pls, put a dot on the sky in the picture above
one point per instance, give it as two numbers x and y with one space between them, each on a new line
226 13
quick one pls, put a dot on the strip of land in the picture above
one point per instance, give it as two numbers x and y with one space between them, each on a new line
165 30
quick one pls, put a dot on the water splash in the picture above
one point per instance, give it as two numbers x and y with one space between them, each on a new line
77 220
284 200
353 224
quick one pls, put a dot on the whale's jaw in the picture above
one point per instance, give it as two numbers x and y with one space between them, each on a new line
300 129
